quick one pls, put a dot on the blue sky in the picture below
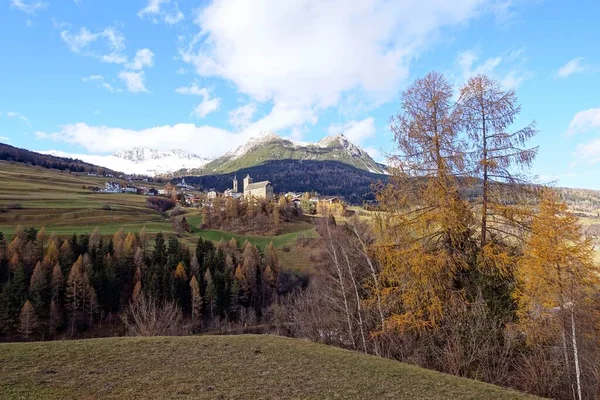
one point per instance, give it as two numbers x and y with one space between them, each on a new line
93 77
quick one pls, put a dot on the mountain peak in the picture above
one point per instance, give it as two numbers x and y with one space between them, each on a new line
142 154
270 146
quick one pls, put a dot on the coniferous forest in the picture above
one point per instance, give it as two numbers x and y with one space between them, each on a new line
69 288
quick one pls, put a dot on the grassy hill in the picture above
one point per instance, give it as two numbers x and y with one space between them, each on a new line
218 367
36 196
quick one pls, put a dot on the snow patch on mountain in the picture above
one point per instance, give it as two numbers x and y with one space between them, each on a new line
140 160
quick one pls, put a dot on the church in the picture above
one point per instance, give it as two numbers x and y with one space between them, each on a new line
260 190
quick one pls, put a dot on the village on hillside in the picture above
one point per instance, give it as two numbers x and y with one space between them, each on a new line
187 195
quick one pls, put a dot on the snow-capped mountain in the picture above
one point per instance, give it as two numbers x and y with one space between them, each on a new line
270 146
266 147
141 160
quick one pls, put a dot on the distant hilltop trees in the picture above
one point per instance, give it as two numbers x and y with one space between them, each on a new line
15 154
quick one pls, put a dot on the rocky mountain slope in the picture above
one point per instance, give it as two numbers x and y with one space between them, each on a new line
271 147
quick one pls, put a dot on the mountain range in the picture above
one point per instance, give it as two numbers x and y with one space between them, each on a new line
257 151
140 160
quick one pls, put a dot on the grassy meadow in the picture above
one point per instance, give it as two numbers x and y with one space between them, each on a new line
219 367
59 201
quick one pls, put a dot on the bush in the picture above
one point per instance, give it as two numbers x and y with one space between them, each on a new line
176 212
106 207
148 317
161 204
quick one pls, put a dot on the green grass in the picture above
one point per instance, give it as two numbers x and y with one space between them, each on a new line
58 201
259 241
215 367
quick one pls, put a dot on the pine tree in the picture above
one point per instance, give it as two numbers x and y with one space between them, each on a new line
194 265
95 238
57 283
52 255
272 260
210 294
38 285
41 239
196 302
557 280
488 111
426 242
54 318
27 320
76 293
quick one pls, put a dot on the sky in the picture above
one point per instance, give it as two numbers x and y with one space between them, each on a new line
98 76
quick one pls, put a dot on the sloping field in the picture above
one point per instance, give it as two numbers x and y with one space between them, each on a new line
34 196
218 367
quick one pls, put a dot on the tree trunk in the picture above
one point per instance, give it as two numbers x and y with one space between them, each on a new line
341 283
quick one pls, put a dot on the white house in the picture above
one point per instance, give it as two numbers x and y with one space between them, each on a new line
112 187
212 193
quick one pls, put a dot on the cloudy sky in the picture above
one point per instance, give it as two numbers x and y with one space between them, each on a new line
96 76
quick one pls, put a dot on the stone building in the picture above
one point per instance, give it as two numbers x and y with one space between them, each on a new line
261 190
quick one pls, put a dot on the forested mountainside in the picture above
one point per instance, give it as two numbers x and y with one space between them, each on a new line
325 177
15 154
270 147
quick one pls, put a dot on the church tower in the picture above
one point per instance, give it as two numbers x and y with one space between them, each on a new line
247 181
235 184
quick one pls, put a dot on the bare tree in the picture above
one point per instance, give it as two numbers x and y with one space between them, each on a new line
148 317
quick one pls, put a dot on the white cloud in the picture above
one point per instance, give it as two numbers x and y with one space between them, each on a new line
505 67
242 116
205 141
375 153
572 67
582 122
110 88
305 53
18 115
206 107
208 104
585 121
355 131
101 82
4 139
282 117
193 90
181 71
550 178
93 78
134 81
143 58
109 44
28 7
161 9
588 152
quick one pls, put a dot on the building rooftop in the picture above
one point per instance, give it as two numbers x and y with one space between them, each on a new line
257 185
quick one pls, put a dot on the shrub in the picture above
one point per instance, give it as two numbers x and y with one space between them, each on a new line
176 212
161 204
148 317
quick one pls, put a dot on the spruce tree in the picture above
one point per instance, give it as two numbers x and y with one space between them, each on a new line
27 320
